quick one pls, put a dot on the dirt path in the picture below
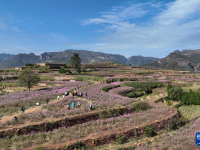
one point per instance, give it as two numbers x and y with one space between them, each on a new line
36 109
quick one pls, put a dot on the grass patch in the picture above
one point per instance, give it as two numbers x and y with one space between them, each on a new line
190 112
89 78
107 88
141 106
46 78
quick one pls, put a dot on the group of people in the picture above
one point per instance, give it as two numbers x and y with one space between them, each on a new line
58 97
73 105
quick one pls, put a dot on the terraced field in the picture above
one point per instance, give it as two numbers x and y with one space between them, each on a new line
53 126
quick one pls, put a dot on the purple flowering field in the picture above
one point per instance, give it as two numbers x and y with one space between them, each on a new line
183 139
12 103
93 128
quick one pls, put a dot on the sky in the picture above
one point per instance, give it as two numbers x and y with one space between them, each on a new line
127 27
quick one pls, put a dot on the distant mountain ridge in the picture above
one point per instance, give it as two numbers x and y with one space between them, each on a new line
188 60
64 56
140 60
4 56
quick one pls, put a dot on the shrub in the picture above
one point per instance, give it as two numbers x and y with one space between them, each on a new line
190 98
174 92
62 70
39 148
95 69
44 70
47 78
68 71
172 124
79 70
178 105
141 88
168 102
141 106
79 146
121 139
109 113
108 80
127 148
149 131
107 88
29 64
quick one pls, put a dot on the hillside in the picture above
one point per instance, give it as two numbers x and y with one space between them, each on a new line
140 60
20 60
188 60
4 56
86 56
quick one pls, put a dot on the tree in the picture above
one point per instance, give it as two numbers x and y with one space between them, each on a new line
1 79
28 78
62 70
175 92
75 61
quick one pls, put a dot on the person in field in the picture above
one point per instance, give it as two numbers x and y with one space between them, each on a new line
86 95
81 94
66 93
75 93
23 109
47 100
58 97
37 104
63 96
73 104
90 106
68 106
15 119
79 104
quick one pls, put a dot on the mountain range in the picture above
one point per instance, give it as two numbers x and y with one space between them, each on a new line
4 56
64 56
188 60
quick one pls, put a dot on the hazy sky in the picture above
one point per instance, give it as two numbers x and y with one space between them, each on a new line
138 27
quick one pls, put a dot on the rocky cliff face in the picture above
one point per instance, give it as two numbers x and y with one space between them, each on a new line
86 56
188 60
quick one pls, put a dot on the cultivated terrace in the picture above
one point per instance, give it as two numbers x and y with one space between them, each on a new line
99 106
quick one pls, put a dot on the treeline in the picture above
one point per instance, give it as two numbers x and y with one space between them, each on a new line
176 93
